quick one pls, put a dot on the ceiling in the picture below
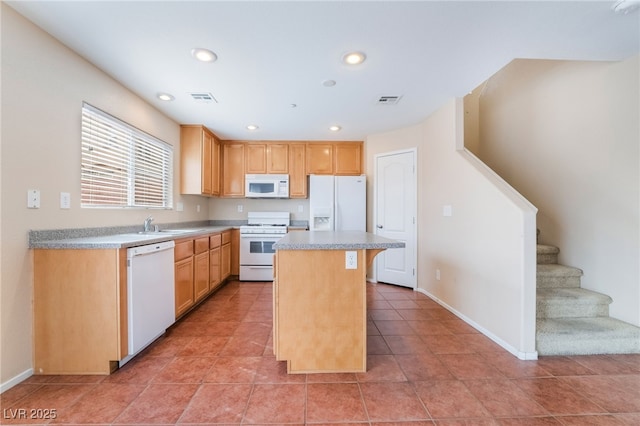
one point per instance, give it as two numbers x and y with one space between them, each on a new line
273 57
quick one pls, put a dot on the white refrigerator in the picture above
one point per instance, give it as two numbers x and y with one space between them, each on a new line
337 203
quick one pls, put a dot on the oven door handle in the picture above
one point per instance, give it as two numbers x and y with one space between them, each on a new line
261 236
258 267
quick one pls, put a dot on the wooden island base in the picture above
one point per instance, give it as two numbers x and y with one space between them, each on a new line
320 309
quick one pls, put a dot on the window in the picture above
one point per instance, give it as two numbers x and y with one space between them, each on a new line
123 166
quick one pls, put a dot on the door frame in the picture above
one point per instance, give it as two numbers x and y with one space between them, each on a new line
414 237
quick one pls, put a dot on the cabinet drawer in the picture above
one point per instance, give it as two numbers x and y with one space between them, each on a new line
201 244
226 237
215 241
183 249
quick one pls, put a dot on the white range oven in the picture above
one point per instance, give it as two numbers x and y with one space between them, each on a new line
257 238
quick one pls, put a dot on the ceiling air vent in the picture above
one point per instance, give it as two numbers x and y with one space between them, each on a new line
388 100
203 97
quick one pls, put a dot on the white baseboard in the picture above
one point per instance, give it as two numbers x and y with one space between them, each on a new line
15 380
526 356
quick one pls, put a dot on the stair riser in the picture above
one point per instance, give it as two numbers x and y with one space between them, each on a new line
547 259
545 309
557 282
549 346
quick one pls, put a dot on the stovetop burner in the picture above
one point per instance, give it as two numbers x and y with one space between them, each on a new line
266 222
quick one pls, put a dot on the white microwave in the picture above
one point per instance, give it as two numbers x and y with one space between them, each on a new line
266 186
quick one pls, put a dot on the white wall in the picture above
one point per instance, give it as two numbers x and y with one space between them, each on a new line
227 208
567 136
43 87
486 250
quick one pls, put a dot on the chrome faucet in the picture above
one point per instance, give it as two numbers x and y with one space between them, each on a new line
147 224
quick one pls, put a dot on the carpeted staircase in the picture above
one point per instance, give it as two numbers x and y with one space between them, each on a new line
572 320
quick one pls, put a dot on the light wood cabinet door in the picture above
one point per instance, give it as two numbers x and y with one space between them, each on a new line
225 261
233 164
196 156
297 171
184 285
201 275
278 158
256 158
319 158
207 141
214 268
347 158
234 237
215 166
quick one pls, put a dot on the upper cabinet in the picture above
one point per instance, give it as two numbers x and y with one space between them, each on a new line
209 166
233 169
267 157
347 158
297 170
319 158
199 161
337 158
278 158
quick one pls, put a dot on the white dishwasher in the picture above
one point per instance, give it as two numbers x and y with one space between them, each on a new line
150 294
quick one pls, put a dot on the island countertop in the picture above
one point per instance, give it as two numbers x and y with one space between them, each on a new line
334 240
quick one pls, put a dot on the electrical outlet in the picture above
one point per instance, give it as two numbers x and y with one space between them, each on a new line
240 208
438 274
300 208
351 259
198 208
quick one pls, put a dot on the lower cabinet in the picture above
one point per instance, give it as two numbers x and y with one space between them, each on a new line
201 268
80 310
201 265
185 296
215 241
225 255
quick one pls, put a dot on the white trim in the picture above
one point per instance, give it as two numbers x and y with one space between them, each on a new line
15 380
526 356
414 151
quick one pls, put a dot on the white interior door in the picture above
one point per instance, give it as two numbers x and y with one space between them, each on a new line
395 211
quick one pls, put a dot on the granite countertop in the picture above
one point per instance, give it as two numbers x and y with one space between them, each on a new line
329 240
124 240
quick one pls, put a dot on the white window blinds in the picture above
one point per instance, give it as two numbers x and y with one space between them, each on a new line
123 166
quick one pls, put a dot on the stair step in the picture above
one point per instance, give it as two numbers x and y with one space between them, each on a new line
571 303
586 336
547 254
557 276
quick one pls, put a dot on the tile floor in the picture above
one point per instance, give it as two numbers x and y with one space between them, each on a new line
425 367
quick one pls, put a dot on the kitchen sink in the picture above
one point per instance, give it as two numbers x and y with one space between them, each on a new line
169 231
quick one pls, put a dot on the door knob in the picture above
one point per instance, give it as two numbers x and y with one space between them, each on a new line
379 226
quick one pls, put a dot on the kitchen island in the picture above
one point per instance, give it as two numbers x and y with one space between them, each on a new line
320 300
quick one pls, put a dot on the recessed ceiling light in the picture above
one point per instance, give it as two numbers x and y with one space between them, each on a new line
354 58
335 128
329 83
165 97
204 55
252 127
